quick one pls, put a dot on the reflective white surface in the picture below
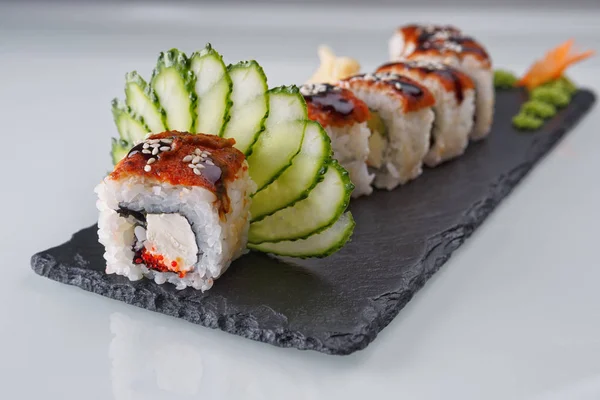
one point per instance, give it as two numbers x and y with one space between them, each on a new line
515 314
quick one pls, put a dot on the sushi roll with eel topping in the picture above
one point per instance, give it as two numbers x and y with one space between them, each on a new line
400 123
454 105
448 45
176 209
344 118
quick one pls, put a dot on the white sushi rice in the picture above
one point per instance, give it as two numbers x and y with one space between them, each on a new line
453 120
453 123
350 146
398 49
406 143
483 77
219 241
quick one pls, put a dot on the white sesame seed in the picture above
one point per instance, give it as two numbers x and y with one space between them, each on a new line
155 145
145 146
369 77
200 166
145 151
151 161
155 151
196 160
209 162
167 141
154 140
306 90
147 168
133 153
441 35
198 152
187 158
165 148
197 171
192 165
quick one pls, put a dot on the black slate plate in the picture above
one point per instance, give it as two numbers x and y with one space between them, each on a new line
338 305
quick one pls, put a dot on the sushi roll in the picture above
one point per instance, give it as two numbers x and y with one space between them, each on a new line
454 107
175 209
408 39
400 121
344 118
448 45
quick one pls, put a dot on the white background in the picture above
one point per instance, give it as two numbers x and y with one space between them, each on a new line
515 314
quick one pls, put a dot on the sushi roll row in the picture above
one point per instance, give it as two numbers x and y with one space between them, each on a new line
210 162
423 107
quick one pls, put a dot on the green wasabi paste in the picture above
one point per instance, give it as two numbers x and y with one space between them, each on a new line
527 122
504 79
538 109
564 84
543 102
552 95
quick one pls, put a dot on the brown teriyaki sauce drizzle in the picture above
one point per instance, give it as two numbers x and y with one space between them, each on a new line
441 70
449 74
400 83
328 98
448 38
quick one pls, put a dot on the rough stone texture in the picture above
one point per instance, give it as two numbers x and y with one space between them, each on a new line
339 304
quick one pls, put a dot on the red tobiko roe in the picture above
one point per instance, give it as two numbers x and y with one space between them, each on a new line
156 262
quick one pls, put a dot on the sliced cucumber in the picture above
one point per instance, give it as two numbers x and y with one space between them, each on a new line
130 126
320 245
119 149
324 204
281 141
173 83
213 89
295 183
142 100
250 104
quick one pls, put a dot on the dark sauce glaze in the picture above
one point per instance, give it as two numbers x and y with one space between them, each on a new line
406 85
331 99
138 149
459 91
443 38
450 75
467 45
412 95
446 73
428 33
332 105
